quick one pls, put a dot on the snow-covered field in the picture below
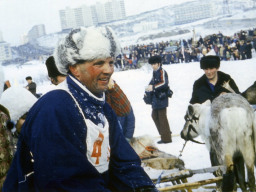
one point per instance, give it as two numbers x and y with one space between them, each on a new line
133 83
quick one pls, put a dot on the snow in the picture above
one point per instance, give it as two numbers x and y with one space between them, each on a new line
133 83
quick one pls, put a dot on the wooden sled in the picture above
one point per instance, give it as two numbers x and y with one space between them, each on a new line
178 180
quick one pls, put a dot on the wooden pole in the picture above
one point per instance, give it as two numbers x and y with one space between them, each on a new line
194 185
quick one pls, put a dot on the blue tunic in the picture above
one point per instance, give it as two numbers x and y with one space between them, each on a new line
54 132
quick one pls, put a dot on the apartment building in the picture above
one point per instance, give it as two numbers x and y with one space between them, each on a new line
35 32
5 51
194 11
92 15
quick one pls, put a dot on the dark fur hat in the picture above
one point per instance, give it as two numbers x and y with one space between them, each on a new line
210 61
28 78
155 59
51 67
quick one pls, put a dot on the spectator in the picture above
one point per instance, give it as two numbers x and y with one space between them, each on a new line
157 88
31 86
210 86
118 101
55 76
14 104
72 140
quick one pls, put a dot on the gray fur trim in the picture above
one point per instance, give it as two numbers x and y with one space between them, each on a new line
86 44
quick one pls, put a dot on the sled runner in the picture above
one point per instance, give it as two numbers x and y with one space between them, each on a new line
179 179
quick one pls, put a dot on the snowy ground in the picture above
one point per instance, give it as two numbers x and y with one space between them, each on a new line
133 83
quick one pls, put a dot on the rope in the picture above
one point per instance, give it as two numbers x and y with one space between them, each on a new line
182 149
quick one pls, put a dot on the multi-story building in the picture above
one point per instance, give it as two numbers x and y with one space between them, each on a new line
145 26
36 32
87 16
194 11
5 51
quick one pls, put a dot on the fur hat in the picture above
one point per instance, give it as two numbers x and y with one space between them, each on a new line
210 61
86 44
51 67
155 59
18 101
28 78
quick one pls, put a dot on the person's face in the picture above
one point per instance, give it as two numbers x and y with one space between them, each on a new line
95 75
29 81
211 73
155 66
57 80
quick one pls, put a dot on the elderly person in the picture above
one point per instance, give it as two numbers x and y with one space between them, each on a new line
71 140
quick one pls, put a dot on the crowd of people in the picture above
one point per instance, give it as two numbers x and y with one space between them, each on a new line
236 47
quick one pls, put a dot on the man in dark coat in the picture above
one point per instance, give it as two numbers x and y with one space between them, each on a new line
71 139
158 87
210 86
31 86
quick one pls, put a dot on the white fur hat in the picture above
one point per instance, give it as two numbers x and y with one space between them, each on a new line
86 44
18 101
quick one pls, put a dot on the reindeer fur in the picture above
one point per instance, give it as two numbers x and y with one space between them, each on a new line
228 128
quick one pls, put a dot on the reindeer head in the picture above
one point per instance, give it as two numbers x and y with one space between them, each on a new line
192 118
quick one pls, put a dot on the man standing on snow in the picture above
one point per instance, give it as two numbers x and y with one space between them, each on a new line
72 140
31 86
158 87
210 86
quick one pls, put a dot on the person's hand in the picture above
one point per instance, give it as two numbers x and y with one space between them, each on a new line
111 84
222 93
149 88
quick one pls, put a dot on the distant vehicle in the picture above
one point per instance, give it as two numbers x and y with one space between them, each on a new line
170 48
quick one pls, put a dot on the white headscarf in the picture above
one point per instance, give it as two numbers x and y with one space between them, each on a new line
18 101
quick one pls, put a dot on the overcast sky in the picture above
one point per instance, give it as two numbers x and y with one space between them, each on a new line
18 16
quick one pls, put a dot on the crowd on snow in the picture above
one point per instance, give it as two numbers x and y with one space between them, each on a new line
236 47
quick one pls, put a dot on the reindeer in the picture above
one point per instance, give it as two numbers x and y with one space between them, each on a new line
227 125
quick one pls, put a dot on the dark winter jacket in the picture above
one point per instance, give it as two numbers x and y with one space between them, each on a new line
32 87
202 90
160 86
56 134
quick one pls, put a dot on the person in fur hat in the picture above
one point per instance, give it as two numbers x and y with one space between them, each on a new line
158 87
211 85
114 96
55 76
72 140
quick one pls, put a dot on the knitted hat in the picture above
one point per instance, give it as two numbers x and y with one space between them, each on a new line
155 59
18 101
86 44
51 67
210 61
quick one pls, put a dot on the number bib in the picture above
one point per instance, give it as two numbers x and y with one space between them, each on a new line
98 149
